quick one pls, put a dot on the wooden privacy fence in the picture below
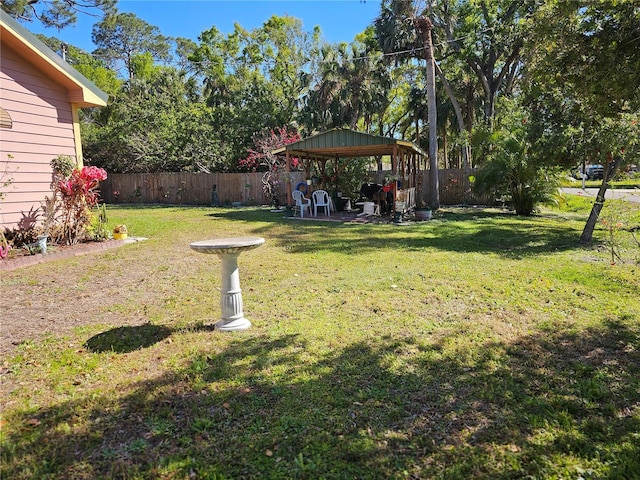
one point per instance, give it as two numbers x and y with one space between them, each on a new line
185 188
455 187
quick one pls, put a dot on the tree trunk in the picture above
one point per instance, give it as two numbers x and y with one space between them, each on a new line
445 147
458 111
590 226
425 26
470 117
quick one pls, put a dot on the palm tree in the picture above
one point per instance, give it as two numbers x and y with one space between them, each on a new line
353 84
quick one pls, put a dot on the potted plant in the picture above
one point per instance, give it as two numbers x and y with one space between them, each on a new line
120 232
423 211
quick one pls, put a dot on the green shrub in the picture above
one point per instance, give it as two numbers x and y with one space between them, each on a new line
514 175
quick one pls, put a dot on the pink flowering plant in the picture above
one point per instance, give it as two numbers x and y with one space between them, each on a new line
78 195
260 158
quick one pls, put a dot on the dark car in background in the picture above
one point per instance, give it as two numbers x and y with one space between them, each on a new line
595 172
592 172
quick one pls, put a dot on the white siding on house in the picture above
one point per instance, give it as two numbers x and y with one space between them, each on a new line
42 129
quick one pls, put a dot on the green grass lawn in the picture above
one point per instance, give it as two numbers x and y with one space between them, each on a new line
477 345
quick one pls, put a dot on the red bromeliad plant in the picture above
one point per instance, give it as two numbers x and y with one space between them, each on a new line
78 194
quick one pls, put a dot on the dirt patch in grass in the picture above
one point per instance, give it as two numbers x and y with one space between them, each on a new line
68 297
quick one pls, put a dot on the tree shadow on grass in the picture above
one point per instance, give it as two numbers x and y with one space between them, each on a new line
472 230
256 214
510 240
545 404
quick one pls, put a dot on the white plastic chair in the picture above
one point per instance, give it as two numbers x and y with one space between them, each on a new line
302 203
321 199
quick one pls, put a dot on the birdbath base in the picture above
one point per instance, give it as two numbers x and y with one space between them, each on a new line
228 249
233 325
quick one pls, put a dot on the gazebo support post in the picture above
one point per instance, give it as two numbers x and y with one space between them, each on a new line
288 182
394 169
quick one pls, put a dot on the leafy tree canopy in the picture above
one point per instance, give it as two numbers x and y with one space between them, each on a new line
254 79
583 84
589 51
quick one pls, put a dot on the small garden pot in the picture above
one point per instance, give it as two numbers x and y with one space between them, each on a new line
422 215
120 232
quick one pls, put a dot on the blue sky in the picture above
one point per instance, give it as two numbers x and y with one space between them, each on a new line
339 20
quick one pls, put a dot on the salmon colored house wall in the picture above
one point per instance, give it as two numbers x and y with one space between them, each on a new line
42 128
41 94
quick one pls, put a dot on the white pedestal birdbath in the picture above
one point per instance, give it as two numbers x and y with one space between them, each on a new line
228 249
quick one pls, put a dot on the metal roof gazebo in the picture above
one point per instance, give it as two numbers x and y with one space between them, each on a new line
345 143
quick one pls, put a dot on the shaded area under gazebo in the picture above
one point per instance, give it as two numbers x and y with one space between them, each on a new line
337 143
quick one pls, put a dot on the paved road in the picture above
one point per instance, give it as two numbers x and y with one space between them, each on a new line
630 195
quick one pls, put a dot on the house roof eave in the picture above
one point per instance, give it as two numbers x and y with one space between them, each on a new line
82 92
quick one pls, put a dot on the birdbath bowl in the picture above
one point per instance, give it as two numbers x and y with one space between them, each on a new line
229 249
